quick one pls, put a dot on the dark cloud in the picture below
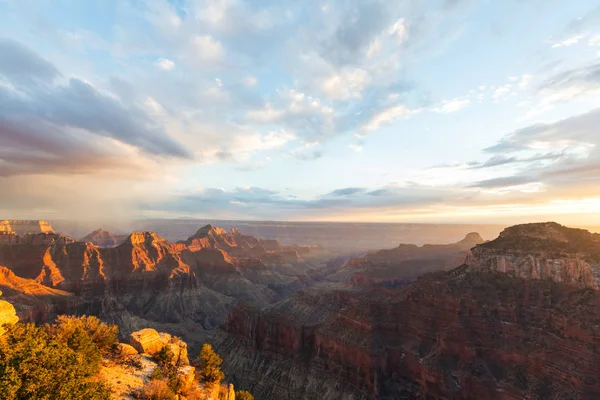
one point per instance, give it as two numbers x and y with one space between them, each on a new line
45 125
362 21
577 80
503 182
498 161
346 192
580 129
19 64
261 202
575 161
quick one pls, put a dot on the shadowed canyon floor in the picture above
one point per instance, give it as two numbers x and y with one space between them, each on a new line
512 318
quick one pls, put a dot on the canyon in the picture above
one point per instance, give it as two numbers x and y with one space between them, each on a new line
511 318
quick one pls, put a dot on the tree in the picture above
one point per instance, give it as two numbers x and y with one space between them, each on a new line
34 365
210 373
243 395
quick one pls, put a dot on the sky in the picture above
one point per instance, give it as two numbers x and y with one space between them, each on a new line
356 110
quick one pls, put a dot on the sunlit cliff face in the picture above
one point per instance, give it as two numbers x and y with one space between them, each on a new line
343 110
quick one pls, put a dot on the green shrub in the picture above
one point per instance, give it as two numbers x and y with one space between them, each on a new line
82 344
35 365
210 362
164 356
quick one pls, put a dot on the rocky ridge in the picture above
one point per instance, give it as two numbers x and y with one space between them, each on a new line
104 238
542 251
148 282
23 227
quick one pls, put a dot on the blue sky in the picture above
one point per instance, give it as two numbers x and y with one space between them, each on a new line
367 110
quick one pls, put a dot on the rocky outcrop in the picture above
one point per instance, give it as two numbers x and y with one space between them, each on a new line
103 238
8 314
23 227
35 302
149 341
146 341
542 251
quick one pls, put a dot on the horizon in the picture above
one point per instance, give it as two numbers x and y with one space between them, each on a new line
442 112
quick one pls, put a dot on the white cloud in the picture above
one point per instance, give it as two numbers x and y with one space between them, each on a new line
165 63
453 105
399 30
501 91
568 42
205 47
594 40
347 84
250 81
388 115
374 48
267 114
356 147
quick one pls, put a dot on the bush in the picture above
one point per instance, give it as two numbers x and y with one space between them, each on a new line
164 356
82 344
243 395
35 365
210 373
157 390
103 335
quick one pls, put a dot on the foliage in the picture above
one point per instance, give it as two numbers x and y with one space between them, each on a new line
210 362
157 390
82 344
36 365
103 335
243 395
164 356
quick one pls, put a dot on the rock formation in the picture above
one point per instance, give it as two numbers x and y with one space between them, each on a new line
23 227
149 341
103 238
8 314
542 251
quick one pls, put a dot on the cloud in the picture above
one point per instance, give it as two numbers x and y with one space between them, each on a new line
165 63
579 130
346 192
48 123
453 105
347 84
21 65
388 115
205 48
261 202
568 42
571 84
572 160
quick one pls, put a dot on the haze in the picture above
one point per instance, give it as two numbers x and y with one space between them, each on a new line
455 111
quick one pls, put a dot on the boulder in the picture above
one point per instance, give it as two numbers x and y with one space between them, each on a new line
146 341
126 350
150 341
8 314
